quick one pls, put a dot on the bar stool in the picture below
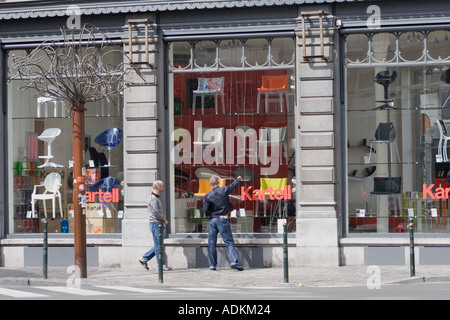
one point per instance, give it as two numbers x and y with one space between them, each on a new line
48 136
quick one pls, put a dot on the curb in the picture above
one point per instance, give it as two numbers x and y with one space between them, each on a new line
421 280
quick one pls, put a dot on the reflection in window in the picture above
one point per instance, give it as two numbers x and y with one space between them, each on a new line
40 158
217 130
395 101
205 54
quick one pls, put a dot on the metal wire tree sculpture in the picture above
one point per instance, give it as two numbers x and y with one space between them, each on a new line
82 68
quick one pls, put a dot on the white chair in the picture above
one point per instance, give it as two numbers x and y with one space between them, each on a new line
444 137
52 183
49 135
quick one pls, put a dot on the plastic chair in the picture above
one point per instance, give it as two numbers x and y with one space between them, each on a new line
273 85
48 136
209 86
444 137
385 133
204 187
52 183
275 184
109 138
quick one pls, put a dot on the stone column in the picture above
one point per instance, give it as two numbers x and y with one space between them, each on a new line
317 222
141 158
2 146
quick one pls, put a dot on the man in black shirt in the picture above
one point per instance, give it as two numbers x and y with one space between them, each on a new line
217 205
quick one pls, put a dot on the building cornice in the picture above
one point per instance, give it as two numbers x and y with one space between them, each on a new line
48 9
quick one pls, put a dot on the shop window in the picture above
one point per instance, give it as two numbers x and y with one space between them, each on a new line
40 159
218 128
397 108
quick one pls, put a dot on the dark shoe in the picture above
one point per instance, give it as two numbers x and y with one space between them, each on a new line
144 263
212 268
237 267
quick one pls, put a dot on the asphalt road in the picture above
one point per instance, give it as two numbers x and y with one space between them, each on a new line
408 291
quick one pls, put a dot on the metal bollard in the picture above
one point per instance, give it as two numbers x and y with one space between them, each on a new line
45 249
160 253
411 248
285 254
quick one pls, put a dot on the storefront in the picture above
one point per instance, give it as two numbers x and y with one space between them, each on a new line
396 100
233 116
396 97
40 158
329 113
240 123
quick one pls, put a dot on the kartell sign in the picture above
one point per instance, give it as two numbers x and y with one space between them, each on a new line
106 196
260 194
439 193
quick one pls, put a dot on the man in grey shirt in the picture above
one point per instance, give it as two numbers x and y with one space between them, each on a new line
156 217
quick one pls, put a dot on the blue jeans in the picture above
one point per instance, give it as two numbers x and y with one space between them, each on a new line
154 229
222 226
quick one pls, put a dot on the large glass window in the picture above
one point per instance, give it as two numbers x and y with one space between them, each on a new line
397 101
40 161
233 104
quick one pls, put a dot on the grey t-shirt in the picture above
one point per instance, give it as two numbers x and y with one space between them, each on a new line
155 208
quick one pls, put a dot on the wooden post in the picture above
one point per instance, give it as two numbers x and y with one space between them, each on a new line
78 189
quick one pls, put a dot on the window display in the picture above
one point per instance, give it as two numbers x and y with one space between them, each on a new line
233 104
397 87
40 158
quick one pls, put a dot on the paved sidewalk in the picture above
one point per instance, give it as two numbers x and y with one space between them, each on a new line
203 277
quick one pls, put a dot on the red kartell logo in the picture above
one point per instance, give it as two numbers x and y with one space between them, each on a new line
260 194
439 193
103 196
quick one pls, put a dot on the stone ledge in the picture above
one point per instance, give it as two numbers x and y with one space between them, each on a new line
395 242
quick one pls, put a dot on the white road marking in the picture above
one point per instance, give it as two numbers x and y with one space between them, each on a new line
133 289
77 291
19 293
203 289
